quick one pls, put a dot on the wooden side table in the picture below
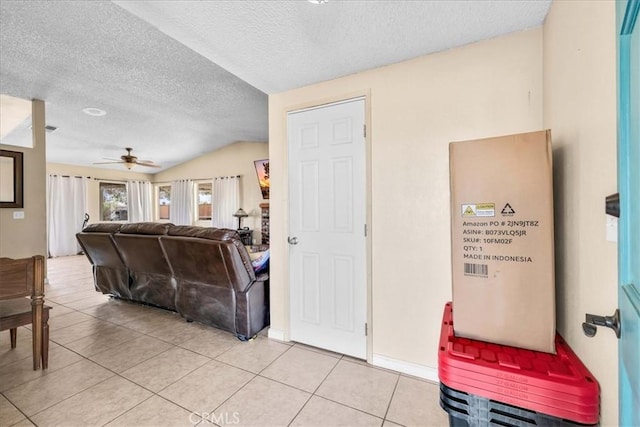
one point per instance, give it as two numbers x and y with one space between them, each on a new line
246 236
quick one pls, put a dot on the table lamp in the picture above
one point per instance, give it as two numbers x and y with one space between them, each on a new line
240 213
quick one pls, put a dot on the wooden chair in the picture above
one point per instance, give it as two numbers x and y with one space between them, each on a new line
20 278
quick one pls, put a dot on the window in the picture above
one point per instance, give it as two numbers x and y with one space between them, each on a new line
113 199
204 201
164 201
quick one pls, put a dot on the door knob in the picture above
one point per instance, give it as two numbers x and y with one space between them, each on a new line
591 321
292 240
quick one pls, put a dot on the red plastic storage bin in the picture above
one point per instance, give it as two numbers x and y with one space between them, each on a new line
557 385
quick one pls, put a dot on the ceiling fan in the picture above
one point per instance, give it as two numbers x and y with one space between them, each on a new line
129 161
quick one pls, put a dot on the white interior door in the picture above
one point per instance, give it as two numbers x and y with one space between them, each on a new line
327 215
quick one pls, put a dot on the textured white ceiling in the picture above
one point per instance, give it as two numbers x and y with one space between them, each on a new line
181 78
280 45
166 101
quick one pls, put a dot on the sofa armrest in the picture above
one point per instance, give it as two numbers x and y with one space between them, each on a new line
262 278
252 308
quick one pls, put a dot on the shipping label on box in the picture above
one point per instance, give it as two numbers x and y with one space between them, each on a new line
502 240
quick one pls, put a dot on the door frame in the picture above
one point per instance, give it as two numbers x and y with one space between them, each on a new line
319 103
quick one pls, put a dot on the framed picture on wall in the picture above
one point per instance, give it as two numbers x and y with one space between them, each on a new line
262 170
11 190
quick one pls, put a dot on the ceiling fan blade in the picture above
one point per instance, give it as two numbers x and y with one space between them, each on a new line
113 160
148 164
106 163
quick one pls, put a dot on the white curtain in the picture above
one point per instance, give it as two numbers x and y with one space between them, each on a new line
226 201
66 207
139 201
181 212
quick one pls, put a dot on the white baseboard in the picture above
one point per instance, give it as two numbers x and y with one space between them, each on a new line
276 334
408 368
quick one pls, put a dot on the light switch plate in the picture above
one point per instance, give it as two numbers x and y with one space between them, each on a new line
612 228
18 214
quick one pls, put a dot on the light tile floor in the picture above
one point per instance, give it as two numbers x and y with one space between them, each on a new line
116 363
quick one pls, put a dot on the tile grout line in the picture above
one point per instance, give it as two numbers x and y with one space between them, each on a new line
17 409
54 404
395 388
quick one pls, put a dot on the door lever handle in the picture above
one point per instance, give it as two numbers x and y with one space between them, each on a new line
591 321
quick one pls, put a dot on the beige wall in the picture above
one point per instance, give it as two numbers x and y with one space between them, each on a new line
93 185
234 159
416 108
580 108
26 237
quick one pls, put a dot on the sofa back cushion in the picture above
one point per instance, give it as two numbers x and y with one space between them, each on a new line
139 244
211 233
209 256
147 228
111 276
103 227
98 244
151 276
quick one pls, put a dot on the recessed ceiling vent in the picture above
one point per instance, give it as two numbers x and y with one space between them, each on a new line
47 128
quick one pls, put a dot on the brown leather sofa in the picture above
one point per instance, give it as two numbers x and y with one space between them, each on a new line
205 274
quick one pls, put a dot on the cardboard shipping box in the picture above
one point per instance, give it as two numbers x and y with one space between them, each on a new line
502 240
